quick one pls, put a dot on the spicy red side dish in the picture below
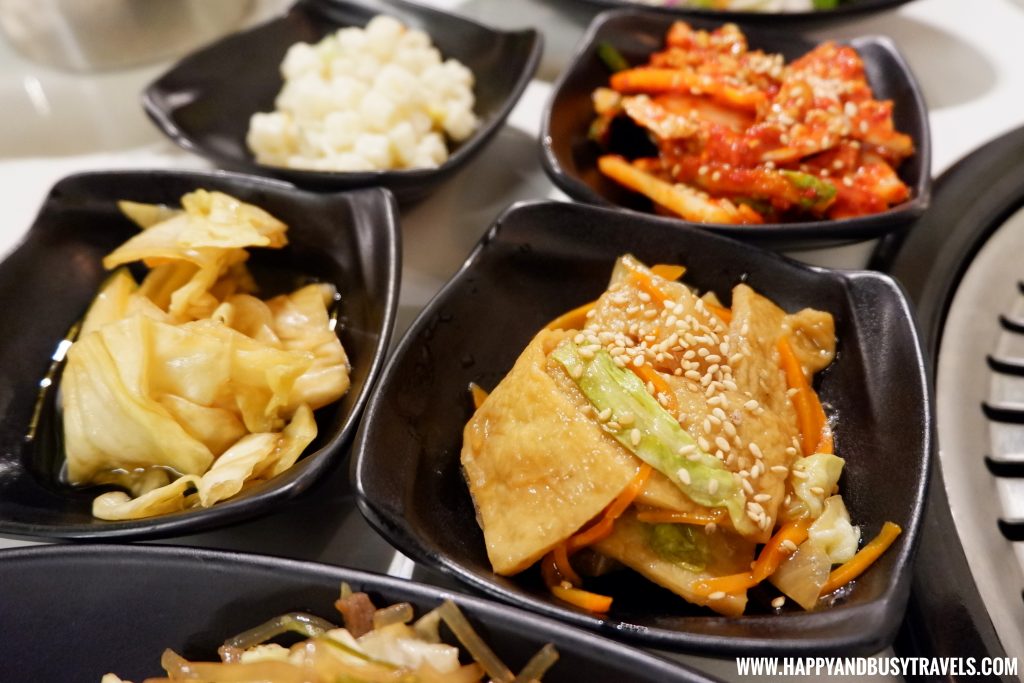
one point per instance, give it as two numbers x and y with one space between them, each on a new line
743 137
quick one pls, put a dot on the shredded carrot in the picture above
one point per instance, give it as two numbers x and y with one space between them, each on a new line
592 602
560 555
809 413
772 554
644 282
555 567
478 393
648 374
571 320
603 528
659 516
723 313
847 572
767 562
668 271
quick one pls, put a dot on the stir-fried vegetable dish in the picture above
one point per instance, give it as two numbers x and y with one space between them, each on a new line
738 136
186 388
659 430
375 646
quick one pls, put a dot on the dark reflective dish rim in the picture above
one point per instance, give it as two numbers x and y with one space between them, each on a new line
377 200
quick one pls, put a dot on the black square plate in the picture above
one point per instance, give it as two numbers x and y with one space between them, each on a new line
192 600
570 157
540 260
204 102
350 240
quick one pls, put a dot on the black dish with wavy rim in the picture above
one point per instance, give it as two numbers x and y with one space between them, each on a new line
570 157
542 259
349 239
847 10
204 102
66 616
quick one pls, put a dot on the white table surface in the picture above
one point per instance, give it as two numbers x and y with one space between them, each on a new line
966 56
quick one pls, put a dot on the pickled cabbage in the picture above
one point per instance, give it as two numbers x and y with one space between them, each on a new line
186 387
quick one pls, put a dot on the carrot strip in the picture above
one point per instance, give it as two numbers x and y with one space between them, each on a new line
478 393
560 556
603 528
767 562
592 602
723 313
668 271
659 516
809 413
645 283
571 320
648 374
850 570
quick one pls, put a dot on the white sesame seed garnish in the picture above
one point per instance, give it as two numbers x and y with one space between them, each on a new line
712 486
684 476
703 444
755 450
752 404
799 474
717 595
687 449
763 497
604 415
780 469
634 436
790 451
626 418
778 602
723 444
817 490
638 362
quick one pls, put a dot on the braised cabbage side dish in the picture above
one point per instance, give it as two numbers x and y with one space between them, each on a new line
186 387
727 134
375 646
661 431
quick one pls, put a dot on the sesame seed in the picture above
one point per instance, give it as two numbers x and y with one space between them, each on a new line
707 424
638 362
717 595
604 415
790 451
735 358
755 450
789 545
799 474
747 486
703 444
644 296
778 602
723 444
693 457
712 486
576 371
687 449
780 469
684 476
817 490
626 418
634 436
752 404
763 497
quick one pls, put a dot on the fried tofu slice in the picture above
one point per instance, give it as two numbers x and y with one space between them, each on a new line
537 466
631 544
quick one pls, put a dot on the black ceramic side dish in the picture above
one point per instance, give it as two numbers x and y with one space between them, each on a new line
542 259
846 10
192 600
46 285
570 157
205 101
